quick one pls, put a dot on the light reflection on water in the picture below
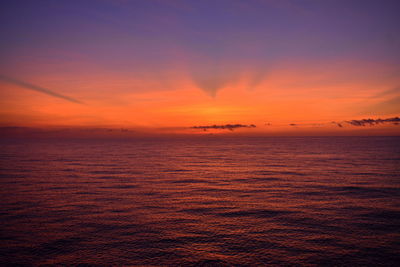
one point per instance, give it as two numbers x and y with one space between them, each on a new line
243 201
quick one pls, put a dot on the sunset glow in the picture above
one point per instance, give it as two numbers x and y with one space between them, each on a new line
159 67
200 133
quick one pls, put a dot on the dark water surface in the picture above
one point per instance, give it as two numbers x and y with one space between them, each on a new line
244 201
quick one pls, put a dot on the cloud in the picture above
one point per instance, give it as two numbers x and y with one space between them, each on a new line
339 124
371 122
362 122
210 85
386 107
212 79
214 76
385 103
257 78
38 89
393 91
230 127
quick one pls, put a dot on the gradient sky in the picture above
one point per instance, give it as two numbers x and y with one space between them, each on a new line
165 66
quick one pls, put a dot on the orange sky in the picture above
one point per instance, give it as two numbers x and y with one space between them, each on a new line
299 95
150 80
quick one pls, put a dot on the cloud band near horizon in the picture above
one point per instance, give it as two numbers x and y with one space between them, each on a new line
230 127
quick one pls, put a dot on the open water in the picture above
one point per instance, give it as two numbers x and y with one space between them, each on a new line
201 202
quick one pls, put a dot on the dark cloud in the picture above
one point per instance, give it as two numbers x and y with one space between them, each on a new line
371 122
362 122
38 89
338 124
230 127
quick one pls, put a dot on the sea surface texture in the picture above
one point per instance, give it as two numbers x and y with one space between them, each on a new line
209 202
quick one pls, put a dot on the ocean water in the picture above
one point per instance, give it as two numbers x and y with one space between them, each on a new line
326 201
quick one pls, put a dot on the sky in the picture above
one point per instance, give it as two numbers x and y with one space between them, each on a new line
199 67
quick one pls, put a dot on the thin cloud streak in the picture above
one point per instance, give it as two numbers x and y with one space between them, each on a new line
38 89
361 122
371 122
230 127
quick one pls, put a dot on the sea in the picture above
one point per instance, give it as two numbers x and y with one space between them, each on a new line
212 201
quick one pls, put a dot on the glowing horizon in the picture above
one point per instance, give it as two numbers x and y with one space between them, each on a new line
284 66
